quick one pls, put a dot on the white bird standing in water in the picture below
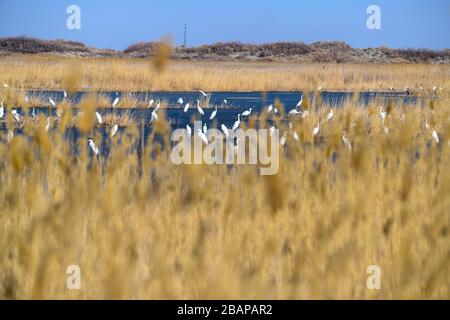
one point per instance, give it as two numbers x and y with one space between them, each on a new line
200 110
2 110
154 116
270 108
114 130
186 107
116 101
93 147
150 103
180 100
316 129
225 101
237 123
202 136
294 112
225 130
205 128
246 113
189 130
51 101
15 115
299 104
99 118
330 115
213 114
65 94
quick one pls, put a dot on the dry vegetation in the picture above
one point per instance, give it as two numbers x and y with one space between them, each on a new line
156 230
47 72
317 52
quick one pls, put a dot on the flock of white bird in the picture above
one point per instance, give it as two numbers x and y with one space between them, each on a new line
202 134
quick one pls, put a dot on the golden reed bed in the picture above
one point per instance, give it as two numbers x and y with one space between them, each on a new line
200 231
48 72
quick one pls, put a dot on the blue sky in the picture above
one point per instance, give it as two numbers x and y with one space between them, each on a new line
116 24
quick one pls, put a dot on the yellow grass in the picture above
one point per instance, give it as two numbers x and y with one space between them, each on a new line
161 231
48 72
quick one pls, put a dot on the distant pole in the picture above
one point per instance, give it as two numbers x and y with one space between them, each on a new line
185 32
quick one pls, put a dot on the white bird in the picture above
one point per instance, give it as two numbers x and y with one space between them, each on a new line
225 130
271 130
346 141
115 102
2 110
200 110
435 136
93 146
205 128
319 88
51 101
213 114
189 130
5 85
295 136
180 100
114 130
202 136
186 107
225 101
237 123
154 116
434 88
246 113
299 104
15 115
294 112
47 126
275 110
158 106
270 108
150 103
330 115
316 129
99 117
65 94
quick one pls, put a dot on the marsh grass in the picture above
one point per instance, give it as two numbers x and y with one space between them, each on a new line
126 74
150 229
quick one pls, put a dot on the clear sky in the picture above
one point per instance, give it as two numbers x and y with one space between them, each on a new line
116 24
